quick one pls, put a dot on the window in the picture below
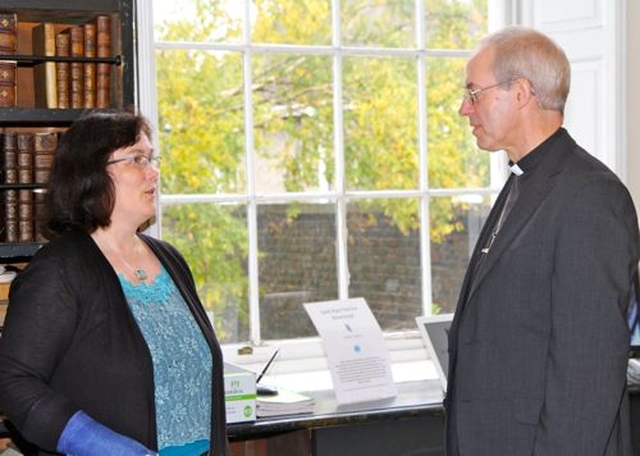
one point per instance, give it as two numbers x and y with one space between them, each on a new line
312 151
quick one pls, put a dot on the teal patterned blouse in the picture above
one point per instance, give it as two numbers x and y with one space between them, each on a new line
182 364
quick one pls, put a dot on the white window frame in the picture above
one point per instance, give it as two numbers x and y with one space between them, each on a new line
307 354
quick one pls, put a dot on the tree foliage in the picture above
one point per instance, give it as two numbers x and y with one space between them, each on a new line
201 96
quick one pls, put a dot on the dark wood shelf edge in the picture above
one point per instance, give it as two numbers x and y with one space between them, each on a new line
30 60
22 186
74 11
30 117
69 5
18 252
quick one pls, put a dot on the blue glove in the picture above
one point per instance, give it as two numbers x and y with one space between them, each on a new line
84 436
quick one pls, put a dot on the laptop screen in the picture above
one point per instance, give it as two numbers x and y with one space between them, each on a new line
435 334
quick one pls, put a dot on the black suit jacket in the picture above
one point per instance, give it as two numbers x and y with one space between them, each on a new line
539 341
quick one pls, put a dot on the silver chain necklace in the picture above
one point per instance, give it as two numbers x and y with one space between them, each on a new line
139 273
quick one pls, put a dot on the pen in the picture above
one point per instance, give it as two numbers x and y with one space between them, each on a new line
266 367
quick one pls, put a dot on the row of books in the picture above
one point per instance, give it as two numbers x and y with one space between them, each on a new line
64 84
26 159
8 46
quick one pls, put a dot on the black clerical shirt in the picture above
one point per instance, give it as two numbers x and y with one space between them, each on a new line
515 185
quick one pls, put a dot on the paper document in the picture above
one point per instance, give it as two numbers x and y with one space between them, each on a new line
284 403
357 355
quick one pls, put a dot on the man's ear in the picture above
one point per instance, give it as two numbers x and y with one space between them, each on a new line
525 93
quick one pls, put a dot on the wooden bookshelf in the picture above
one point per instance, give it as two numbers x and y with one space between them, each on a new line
28 114
4 290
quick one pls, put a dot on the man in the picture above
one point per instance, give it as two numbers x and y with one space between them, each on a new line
539 341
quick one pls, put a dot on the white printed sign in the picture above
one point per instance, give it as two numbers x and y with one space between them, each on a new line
357 355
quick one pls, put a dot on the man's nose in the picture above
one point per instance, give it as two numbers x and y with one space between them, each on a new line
466 107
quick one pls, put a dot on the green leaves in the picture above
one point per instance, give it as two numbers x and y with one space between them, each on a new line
201 100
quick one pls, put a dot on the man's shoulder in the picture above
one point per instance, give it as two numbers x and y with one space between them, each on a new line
577 164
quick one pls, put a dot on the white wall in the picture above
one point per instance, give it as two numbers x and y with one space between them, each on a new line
591 33
601 39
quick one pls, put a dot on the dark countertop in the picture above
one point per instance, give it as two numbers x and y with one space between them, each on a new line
413 399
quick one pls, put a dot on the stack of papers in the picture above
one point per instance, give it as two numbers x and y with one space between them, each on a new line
6 276
284 403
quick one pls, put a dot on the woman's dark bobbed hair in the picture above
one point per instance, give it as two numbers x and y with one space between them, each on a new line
80 194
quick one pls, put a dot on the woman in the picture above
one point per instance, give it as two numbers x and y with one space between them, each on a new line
106 347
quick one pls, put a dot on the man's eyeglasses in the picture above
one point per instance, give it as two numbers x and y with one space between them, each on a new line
471 95
141 161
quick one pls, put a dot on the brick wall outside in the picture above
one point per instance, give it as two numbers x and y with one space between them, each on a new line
298 264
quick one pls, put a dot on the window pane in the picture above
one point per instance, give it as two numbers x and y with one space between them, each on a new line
292 147
455 226
380 123
201 121
213 240
388 23
384 259
453 158
457 24
213 21
297 264
293 117
291 22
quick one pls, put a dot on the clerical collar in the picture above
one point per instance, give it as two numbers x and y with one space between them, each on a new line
515 169
529 161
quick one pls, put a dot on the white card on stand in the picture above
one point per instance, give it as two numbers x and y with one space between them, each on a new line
356 351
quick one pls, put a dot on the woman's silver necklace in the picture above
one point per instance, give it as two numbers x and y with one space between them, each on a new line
139 273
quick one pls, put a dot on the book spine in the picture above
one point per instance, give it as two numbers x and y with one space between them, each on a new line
103 70
77 68
26 146
90 67
8 33
45 145
10 215
7 84
10 158
63 76
8 45
45 83
10 197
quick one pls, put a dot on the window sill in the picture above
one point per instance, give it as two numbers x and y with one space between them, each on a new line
320 380
302 365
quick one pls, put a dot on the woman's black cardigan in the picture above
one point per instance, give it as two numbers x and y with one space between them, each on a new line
70 343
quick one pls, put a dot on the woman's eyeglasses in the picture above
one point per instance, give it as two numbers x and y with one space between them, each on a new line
141 161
